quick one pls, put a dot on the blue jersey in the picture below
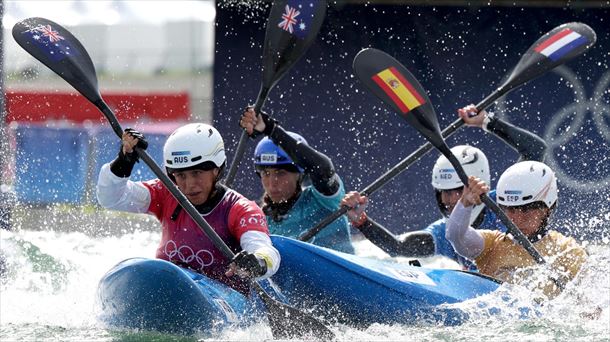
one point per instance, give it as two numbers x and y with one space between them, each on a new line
311 207
443 246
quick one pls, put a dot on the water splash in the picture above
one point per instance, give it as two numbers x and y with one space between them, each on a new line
49 292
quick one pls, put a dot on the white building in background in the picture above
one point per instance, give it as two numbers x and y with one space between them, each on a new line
135 45
138 37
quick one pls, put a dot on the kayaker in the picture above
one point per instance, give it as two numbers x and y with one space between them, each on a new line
194 159
283 160
448 189
527 193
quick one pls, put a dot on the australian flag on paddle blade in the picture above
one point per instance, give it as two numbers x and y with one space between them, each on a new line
51 42
298 16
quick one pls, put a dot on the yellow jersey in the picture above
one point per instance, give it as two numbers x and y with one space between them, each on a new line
503 258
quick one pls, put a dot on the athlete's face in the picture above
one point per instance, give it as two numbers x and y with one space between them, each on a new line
449 198
527 220
279 184
196 184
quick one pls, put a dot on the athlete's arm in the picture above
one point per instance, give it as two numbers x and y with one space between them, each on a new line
248 224
259 244
466 241
412 245
114 189
529 145
118 193
316 164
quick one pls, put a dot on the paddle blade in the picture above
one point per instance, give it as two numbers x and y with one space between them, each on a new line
391 82
59 50
291 28
556 47
287 322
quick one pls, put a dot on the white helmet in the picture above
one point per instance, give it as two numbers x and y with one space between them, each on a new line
444 176
527 182
473 161
192 145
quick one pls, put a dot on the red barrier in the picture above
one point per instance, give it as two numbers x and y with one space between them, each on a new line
48 106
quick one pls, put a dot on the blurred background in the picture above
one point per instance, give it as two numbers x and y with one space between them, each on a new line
164 63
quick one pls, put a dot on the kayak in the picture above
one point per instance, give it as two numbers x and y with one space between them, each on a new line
361 291
156 295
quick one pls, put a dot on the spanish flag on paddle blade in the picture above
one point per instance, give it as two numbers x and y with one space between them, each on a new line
396 86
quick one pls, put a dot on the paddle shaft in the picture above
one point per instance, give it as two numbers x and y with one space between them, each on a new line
280 52
277 311
77 69
178 195
275 308
401 166
493 206
241 146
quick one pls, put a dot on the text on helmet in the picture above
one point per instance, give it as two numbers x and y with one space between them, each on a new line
513 195
181 156
446 173
268 158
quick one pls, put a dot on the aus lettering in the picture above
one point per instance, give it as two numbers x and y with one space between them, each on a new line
180 160
269 158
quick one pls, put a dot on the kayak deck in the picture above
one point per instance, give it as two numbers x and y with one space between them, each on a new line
361 291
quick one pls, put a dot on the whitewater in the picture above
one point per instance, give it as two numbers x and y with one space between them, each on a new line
55 257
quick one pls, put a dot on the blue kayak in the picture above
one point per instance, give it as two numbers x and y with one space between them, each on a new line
360 291
156 295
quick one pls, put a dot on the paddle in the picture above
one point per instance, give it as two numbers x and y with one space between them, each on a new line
391 82
531 65
59 50
291 28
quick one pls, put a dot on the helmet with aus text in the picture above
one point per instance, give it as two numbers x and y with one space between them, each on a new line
268 154
195 145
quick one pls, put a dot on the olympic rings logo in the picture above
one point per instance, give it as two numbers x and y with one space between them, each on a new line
186 254
556 135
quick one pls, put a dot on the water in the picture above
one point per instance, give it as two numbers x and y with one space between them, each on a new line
48 293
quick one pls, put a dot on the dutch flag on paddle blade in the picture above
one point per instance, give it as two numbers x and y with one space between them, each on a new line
561 43
298 15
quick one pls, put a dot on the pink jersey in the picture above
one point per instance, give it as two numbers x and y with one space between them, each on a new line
185 244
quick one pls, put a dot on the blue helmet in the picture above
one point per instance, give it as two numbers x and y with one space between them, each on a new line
268 154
